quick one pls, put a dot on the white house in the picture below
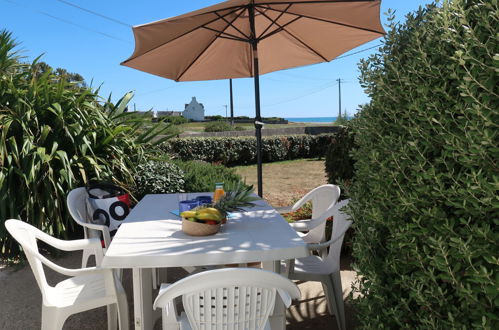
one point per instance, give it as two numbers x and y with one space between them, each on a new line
194 110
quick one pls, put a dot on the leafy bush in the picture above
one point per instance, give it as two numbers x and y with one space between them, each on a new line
202 176
218 126
54 136
158 177
425 186
232 151
339 163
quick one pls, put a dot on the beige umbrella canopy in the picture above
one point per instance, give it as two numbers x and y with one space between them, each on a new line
246 38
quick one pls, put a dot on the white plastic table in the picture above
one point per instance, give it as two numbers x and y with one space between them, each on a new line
151 237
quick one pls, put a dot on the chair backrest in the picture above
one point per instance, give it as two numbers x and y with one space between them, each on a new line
322 198
341 222
78 208
230 298
26 236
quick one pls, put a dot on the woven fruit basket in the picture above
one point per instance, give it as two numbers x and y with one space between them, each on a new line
199 229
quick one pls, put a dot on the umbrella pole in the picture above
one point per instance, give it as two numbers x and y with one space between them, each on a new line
258 118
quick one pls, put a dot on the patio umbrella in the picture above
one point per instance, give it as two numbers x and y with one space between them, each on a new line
246 38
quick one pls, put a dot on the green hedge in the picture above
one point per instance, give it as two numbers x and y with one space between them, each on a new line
233 151
164 176
425 189
202 176
158 177
339 162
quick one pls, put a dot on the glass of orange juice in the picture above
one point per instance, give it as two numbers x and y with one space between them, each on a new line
219 191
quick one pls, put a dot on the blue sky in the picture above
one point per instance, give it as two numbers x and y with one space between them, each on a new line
92 46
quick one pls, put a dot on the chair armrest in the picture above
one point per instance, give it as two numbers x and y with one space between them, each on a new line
323 245
284 209
301 225
74 245
104 229
83 243
170 315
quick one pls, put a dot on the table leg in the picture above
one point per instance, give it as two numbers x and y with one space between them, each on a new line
142 298
278 319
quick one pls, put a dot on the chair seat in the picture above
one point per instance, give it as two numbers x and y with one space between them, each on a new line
312 265
83 290
184 323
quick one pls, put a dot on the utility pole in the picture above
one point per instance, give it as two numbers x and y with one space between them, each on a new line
225 105
339 97
231 104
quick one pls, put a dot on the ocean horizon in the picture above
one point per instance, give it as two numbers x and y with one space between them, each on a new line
312 119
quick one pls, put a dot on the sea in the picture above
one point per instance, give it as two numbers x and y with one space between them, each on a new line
311 119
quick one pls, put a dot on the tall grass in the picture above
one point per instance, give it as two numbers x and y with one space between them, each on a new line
54 136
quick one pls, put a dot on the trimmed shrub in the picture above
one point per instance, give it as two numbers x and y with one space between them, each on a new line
218 126
233 151
158 177
201 176
425 189
339 163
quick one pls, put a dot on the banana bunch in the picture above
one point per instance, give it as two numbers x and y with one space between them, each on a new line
208 215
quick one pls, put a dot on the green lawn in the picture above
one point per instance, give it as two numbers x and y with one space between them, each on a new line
286 181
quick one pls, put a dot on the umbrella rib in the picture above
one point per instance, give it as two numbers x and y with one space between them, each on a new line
226 35
209 45
180 36
325 20
273 21
230 24
298 39
270 34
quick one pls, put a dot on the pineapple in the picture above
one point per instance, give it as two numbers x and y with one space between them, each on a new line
235 199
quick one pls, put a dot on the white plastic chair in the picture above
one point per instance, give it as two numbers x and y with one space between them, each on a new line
229 299
78 208
87 288
327 268
322 198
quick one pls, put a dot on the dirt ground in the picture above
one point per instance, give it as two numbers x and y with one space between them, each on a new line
285 181
20 300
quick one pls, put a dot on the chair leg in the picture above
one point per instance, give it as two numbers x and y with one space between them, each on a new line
123 311
84 259
155 278
52 318
112 317
338 295
329 291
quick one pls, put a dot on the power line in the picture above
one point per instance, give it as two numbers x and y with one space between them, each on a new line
310 92
324 79
69 22
95 13
158 90
357 52
84 27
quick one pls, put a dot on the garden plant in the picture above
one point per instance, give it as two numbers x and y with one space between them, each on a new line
56 135
424 191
